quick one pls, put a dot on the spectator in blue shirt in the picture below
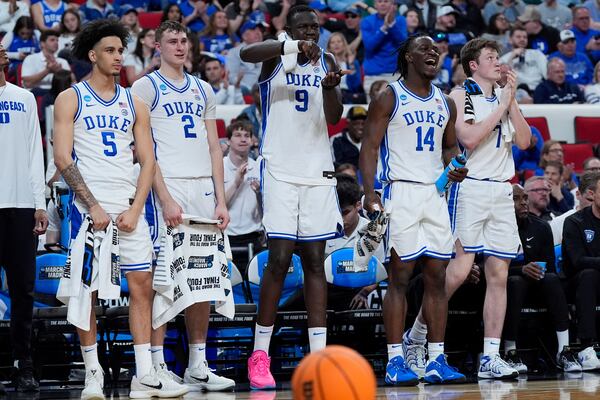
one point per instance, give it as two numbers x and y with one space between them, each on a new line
530 157
555 90
196 14
511 9
96 9
588 40
579 69
140 5
217 37
382 34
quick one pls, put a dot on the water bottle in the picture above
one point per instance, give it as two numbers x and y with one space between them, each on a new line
443 183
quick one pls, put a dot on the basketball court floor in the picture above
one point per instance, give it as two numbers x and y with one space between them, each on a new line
583 386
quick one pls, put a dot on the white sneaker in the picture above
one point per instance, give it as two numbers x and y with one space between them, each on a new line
494 367
155 384
94 385
414 355
203 379
513 360
567 361
163 374
588 359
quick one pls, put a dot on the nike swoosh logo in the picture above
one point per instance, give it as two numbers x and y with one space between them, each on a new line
528 239
264 331
154 351
203 380
208 193
408 102
395 346
318 333
165 93
157 387
87 351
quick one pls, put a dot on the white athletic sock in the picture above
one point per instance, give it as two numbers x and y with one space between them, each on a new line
491 346
434 350
143 359
563 339
158 356
317 338
197 355
418 332
90 357
395 350
262 337
509 345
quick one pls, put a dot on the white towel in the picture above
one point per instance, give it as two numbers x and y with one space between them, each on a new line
92 265
369 238
192 267
291 60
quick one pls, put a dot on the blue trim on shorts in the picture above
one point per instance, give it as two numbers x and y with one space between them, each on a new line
147 268
413 256
281 235
452 205
316 238
499 254
440 256
473 249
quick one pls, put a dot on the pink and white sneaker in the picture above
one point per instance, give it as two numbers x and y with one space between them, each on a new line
259 372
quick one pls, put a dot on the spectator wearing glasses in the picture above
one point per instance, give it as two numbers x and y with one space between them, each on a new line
498 30
561 199
588 39
555 89
350 28
538 191
579 69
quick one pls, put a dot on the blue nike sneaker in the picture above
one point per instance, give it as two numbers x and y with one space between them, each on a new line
438 371
397 373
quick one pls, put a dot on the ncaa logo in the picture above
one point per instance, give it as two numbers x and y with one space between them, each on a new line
124 112
163 86
316 69
87 98
403 97
589 235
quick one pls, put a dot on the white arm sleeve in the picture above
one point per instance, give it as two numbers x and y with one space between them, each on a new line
144 89
36 157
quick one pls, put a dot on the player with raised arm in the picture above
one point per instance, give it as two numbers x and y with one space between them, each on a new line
481 208
189 175
410 127
299 96
94 123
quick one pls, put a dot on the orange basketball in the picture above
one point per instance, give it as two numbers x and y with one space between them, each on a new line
336 372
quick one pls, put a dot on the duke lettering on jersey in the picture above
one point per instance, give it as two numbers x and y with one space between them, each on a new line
306 80
183 107
100 122
421 116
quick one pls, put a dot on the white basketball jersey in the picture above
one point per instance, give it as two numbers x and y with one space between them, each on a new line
492 158
295 142
177 117
412 147
102 134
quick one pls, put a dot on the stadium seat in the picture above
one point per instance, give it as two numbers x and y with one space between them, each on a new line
587 130
248 99
337 128
528 173
149 20
542 124
576 154
221 129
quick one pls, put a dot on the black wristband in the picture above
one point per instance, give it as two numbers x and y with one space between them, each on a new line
282 45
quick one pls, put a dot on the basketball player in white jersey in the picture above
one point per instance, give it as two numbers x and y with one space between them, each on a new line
94 123
189 175
481 207
411 127
298 185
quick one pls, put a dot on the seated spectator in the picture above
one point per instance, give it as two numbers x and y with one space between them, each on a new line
348 169
46 14
242 193
97 9
249 72
38 68
594 7
584 199
553 151
592 92
70 25
446 23
216 75
144 58
529 159
350 28
382 34
498 30
253 113
530 64
240 11
350 85
522 94
555 14
20 43
172 12
340 5
447 63
346 144
413 24
554 89
10 12
62 80
377 88
588 39
510 8
561 199
139 5
538 192
426 14
539 35
349 194
581 257
469 16
590 164
129 18
578 68
526 277
196 14
217 37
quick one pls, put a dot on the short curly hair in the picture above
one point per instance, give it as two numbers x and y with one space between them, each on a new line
95 31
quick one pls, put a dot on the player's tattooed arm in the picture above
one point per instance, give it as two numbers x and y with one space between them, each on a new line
75 181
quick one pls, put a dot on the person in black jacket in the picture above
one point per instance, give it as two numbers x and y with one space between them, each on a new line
581 263
526 275
346 145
